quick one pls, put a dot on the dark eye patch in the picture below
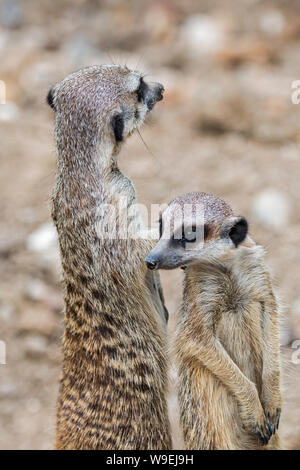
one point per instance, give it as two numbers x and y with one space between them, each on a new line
142 90
160 227
118 127
206 231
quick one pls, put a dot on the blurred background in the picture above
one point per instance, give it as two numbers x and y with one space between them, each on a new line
227 125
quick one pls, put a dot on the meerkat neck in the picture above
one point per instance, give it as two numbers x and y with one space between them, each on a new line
209 281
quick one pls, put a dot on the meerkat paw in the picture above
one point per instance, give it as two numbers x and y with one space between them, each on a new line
255 421
272 412
271 403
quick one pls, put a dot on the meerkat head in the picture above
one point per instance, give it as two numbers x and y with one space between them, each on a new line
106 102
194 228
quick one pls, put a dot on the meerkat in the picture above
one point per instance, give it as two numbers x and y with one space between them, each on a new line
226 343
113 386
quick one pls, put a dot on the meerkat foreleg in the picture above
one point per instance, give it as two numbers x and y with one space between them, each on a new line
211 354
271 396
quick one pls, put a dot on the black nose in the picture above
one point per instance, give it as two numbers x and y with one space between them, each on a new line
151 264
160 91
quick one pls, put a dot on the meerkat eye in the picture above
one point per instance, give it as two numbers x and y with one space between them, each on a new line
189 235
141 91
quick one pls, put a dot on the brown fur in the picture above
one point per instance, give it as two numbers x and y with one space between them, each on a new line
226 342
113 385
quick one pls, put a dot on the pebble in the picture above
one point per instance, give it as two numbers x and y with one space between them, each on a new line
45 243
8 389
43 239
35 346
11 13
271 208
7 311
202 34
9 111
36 290
38 321
33 405
272 22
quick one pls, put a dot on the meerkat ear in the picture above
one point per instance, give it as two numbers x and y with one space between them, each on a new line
238 231
50 98
118 126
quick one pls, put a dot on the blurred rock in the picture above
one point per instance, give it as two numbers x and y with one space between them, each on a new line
37 320
78 49
33 405
35 346
202 34
7 311
28 215
38 74
4 37
8 389
8 112
271 208
11 13
36 290
247 50
44 242
272 22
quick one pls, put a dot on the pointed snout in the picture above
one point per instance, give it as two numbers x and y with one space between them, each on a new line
159 91
155 94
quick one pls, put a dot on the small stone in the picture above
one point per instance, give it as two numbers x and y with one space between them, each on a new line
33 405
11 13
202 34
35 346
271 208
37 320
77 49
45 243
8 111
7 311
36 290
43 239
8 389
272 22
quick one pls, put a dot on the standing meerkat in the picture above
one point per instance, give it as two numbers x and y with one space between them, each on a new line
113 386
226 342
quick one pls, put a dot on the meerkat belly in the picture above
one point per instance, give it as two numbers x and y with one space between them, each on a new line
209 414
240 333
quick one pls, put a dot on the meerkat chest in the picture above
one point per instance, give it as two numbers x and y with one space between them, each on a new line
239 329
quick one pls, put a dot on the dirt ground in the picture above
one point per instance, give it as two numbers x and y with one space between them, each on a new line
227 126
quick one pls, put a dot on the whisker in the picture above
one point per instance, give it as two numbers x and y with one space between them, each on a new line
149 150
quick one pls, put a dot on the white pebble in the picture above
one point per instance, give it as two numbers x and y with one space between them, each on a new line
272 22
43 239
8 111
202 34
271 208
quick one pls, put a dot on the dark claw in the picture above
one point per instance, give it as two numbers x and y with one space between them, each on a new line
278 411
273 428
263 438
269 429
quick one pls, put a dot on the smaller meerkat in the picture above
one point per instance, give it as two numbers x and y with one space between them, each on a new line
226 343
